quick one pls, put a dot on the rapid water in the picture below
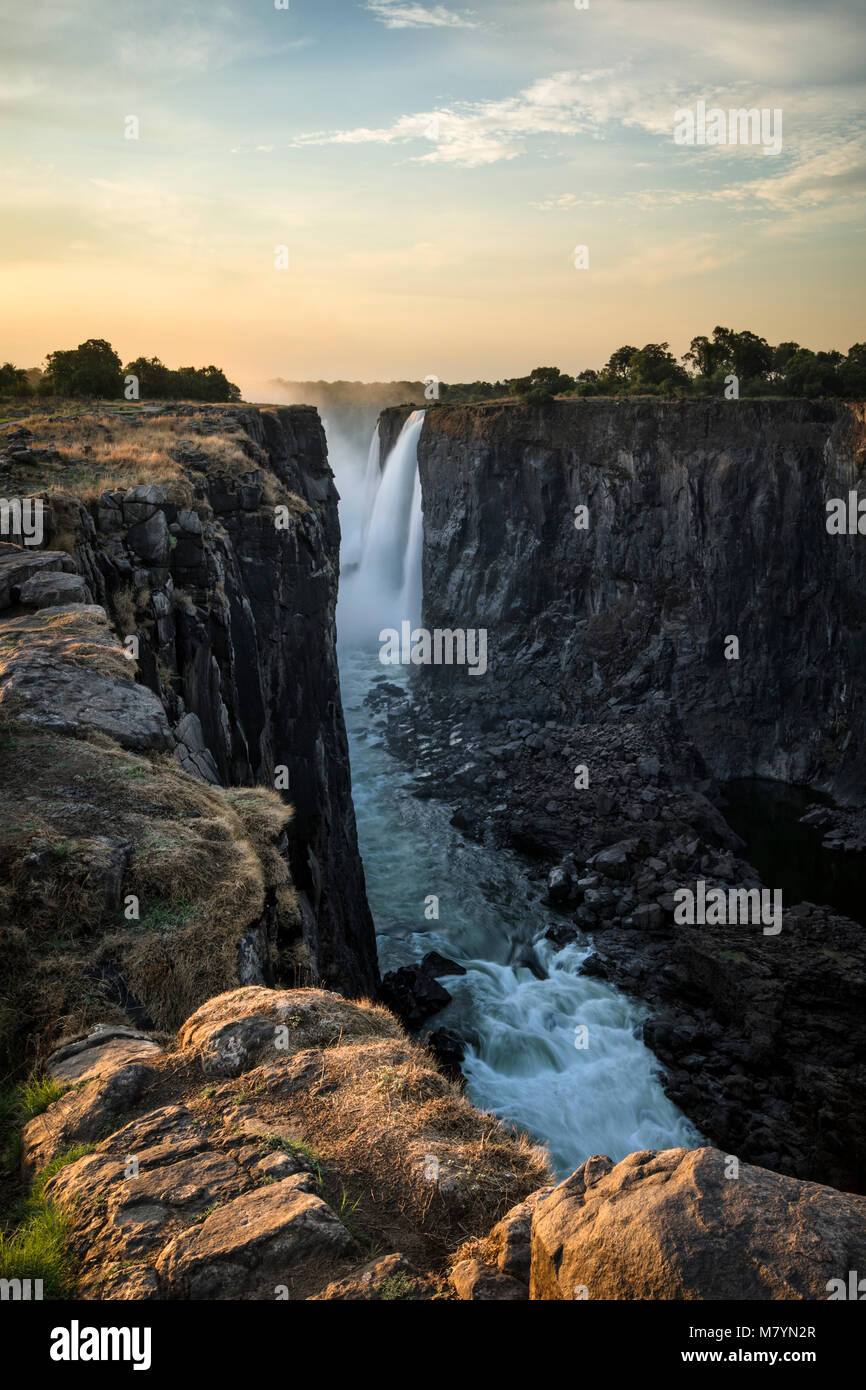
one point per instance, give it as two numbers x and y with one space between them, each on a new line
520 1002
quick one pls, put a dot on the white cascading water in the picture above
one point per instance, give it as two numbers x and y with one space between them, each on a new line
385 588
520 1000
372 478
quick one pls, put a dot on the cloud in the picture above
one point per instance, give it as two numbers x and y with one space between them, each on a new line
825 171
596 103
834 173
487 131
396 15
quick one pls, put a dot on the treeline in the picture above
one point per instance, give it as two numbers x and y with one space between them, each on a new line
761 370
94 370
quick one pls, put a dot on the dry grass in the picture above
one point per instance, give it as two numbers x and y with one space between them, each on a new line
125 447
361 1103
374 1115
394 1112
396 1145
371 1103
201 865
123 603
72 639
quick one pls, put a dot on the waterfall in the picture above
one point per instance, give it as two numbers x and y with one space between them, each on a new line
372 479
520 1001
385 588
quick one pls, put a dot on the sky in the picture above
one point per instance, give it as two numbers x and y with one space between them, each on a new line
430 170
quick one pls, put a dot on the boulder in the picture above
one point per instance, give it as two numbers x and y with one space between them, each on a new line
686 1224
252 1245
192 752
18 565
151 539
613 861
648 916
511 1238
559 886
80 1116
237 1030
391 1278
449 1049
106 1047
52 588
413 991
561 934
478 1283
65 699
140 503
413 995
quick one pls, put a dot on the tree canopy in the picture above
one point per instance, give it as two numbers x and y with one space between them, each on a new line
93 370
761 369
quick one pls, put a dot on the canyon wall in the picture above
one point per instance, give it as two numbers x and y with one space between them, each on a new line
596 743
391 423
705 520
252 649
233 615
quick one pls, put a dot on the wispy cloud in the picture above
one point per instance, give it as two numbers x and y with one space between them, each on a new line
823 172
487 131
396 15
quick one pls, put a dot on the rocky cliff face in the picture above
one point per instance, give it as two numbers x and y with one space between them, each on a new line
243 619
705 520
597 740
222 584
391 422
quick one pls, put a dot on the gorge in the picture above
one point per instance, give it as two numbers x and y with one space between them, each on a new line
607 653
576 1005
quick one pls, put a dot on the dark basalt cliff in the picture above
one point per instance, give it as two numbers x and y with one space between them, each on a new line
391 422
606 652
705 520
234 619
254 657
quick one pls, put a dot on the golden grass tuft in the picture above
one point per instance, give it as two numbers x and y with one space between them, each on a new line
200 866
75 638
126 447
382 1114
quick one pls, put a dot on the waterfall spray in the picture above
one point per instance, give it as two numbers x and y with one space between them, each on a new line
385 589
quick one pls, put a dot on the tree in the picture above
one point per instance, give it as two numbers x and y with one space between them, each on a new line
813 374
852 373
705 357
588 383
14 381
91 369
654 367
203 384
542 384
618 365
782 355
154 378
751 356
